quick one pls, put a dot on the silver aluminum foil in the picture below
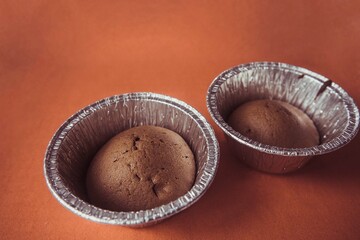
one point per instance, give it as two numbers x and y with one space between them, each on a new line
332 110
75 143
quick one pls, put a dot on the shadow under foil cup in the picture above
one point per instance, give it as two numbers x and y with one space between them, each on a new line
332 110
73 146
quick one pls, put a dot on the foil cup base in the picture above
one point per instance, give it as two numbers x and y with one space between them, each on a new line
265 162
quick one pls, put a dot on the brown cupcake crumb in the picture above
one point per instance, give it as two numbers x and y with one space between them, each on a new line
274 123
140 168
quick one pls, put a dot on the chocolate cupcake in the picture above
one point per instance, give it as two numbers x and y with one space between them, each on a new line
274 123
140 168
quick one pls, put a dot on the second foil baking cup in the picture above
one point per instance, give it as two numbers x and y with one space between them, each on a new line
332 110
75 143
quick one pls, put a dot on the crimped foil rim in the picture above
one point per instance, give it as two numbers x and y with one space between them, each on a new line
134 218
347 135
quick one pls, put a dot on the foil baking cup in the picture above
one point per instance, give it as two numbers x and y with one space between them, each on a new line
76 142
332 110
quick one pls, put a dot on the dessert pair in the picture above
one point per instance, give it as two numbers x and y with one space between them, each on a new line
147 166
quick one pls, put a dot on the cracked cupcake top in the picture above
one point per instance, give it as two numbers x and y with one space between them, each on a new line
140 168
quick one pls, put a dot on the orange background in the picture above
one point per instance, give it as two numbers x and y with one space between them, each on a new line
59 56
